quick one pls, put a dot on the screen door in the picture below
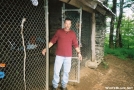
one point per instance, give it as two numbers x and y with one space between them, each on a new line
76 16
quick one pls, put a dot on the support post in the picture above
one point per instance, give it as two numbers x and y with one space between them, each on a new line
47 41
93 37
80 10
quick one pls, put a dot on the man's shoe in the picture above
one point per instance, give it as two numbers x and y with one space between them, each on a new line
54 88
64 88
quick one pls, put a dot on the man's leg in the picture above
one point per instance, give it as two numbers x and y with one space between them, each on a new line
57 68
66 70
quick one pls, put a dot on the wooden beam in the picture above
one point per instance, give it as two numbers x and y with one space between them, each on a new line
93 37
101 10
78 4
102 0
89 3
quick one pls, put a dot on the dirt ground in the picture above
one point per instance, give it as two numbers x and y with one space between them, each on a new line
118 75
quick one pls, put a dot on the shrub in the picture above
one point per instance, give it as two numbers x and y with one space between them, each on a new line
122 53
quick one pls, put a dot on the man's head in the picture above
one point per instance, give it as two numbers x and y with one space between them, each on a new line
67 24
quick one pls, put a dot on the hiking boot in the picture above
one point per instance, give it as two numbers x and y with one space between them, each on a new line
63 88
54 88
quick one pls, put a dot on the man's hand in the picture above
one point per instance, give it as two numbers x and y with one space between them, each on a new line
80 56
79 53
44 51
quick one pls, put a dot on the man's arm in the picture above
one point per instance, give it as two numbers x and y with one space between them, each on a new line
53 41
79 53
44 50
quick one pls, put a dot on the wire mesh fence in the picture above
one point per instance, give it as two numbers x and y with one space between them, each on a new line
75 17
12 50
34 31
85 41
83 37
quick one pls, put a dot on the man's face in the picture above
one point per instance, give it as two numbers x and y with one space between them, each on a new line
67 24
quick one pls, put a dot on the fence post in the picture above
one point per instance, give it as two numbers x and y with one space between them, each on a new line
47 41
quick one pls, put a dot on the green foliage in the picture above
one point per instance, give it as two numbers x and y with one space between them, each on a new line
127 34
127 31
122 53
127 28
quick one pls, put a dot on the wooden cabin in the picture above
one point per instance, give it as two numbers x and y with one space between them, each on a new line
22 41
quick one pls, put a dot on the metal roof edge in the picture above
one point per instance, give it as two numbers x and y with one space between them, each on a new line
101 4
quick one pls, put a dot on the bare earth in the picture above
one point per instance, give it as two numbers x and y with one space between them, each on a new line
119 75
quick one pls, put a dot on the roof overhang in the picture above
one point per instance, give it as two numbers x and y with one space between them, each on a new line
90 6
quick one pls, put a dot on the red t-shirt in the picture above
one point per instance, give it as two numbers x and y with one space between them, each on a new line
65 40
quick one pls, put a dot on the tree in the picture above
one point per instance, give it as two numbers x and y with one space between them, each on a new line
127 27
118 31
111 42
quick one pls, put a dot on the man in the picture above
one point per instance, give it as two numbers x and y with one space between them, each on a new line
65 39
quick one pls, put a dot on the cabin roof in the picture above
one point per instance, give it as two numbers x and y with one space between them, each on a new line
91 6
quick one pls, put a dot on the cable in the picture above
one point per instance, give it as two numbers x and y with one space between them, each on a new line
22 36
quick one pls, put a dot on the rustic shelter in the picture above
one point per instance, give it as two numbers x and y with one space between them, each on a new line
26 27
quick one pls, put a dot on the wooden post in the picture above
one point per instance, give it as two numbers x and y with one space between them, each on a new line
93 37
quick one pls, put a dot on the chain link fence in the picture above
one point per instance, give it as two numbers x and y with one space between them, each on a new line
75 68
85 41
83 36
33 67
30 66
75 17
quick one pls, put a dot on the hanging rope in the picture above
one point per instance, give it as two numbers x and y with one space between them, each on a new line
23 42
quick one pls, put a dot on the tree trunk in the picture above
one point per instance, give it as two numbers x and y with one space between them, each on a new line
118 31
111 41
128 31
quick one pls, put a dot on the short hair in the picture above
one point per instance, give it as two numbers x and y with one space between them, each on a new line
67 19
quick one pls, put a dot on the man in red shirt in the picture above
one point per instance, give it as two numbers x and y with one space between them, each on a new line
65 39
